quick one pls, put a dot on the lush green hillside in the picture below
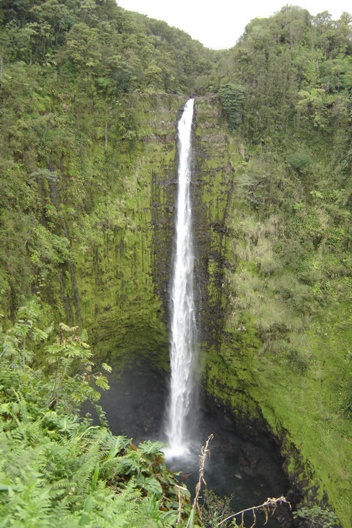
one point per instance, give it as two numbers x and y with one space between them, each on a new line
288 275
89 100
72 129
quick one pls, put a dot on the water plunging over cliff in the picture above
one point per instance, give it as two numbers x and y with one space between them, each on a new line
183 345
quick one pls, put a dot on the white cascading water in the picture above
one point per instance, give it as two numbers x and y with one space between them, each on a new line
183 318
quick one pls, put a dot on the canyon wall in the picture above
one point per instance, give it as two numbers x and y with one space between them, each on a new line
259 360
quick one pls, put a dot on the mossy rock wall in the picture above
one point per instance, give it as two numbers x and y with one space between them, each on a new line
212 191
267 362
121 275
123 284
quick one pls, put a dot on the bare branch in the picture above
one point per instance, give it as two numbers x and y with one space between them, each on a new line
202 458
270 504
179 510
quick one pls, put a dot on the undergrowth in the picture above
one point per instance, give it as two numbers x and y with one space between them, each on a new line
56 467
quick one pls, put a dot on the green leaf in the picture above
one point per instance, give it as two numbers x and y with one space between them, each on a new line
87 510
88 503
151 448
95 477
191 519
153 486
66 328
102 382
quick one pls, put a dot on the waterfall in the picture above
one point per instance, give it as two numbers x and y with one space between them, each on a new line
183 356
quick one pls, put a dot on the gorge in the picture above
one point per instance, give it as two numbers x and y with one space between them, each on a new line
89 112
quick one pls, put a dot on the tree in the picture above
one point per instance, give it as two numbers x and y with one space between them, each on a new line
232 97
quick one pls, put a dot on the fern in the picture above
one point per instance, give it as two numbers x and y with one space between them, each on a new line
56 465
151 449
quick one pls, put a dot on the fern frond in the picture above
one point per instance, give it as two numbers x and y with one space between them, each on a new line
150 448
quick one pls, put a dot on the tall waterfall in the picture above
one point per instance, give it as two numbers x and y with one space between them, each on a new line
183 354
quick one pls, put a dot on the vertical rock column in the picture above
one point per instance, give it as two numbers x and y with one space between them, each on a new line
212 188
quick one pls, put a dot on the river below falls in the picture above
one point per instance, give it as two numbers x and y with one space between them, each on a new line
238 466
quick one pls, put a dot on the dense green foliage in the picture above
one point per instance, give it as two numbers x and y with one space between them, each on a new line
118 51
288 276
59 469
72 126
71 75
232 97
89 95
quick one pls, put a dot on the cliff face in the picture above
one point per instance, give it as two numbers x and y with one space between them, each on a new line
122 278
213 184
270 356
104 258
260 361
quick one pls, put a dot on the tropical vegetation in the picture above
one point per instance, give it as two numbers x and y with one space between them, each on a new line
89 97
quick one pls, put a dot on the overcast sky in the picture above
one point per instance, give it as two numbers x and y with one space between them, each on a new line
218 24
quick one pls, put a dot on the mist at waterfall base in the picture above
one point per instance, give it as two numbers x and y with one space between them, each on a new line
241 463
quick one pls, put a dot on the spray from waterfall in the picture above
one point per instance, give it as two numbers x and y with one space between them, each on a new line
183 345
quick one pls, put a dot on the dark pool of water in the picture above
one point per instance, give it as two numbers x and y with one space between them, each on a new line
247 469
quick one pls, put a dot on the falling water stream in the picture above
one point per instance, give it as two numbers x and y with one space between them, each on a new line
237 467
183 354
